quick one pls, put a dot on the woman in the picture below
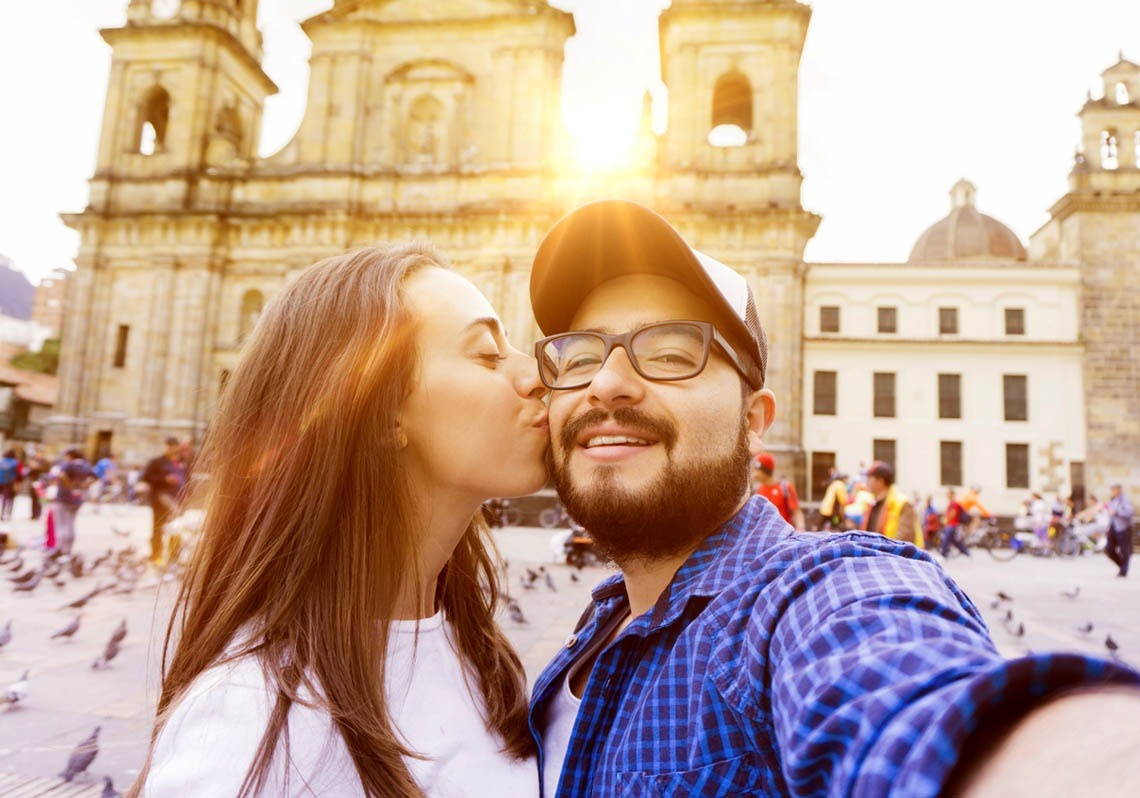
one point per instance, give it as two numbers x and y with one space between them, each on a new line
336 630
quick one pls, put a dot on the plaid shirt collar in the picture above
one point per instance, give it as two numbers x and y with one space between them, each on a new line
707 571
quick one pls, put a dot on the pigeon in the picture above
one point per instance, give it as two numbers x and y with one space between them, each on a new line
120 631
527 584
29 586
1086 629
82 757
17 691
1076 591
82 600
6 634
1111 644
109 790
24 578
573 577
1001 594
550 582
1008 616
15 565
123 533
76 566
109 653
1020 630
995 604
68 630
102 558
515 611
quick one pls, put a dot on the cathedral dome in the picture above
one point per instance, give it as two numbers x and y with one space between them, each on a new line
965 233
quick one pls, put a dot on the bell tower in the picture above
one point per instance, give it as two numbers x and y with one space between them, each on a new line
1097 224
180 127
728 169
186 93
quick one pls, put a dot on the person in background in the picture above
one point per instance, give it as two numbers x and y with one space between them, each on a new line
37 469
781 492
892 514
1119 548
971 502
952 531
164 477
931 523
10 474
834 503
73 478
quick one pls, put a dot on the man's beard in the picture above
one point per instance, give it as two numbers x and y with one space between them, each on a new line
672 514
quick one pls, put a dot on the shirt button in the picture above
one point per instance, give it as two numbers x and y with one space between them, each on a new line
571 641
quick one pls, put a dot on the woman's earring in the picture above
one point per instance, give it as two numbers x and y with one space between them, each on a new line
401 439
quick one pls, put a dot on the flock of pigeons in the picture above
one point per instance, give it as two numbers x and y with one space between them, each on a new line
111 573
1003 599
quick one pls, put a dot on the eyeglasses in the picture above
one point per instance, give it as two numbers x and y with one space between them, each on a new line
664 351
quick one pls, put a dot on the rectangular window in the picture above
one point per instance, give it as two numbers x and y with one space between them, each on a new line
951 453
950 399
1017 465
888 320
948 321
1015 321
1015 389
121 346
884 451
829 319
884 399
823 393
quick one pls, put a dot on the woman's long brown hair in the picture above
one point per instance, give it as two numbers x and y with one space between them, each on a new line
310 527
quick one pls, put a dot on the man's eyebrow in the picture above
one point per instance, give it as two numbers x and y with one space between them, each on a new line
610 330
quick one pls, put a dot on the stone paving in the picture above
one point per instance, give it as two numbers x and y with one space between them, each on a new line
67 698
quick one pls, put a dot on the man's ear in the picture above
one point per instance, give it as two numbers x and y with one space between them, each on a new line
760 413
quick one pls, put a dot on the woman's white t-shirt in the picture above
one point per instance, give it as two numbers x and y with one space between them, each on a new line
212 736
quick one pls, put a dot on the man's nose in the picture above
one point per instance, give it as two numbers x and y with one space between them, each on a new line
617 381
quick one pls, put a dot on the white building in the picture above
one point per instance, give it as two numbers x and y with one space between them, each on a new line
962 365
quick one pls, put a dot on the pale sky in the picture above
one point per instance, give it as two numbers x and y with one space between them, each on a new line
898 100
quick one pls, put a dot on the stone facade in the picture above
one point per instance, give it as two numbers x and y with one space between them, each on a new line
1096 226
439 120
442 120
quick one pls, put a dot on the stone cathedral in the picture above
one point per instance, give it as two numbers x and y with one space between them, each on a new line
443 120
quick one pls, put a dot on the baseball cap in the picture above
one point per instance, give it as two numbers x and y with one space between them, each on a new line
766 462
614 238
882 471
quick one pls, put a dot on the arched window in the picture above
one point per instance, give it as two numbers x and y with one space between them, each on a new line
154 112
1121 94
731 110
424 132
251 304
1109 157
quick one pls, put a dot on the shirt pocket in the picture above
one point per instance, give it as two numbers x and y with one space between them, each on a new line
742 775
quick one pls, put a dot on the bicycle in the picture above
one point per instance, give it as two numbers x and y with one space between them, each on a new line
555 516
999 544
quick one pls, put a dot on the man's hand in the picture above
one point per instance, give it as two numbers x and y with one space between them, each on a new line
1081 743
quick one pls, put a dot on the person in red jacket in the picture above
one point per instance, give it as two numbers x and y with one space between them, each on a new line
781 493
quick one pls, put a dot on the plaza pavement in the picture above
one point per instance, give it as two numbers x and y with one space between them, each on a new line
67 698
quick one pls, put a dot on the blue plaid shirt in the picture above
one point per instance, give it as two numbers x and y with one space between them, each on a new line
779 663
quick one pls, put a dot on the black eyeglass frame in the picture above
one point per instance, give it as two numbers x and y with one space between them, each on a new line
709 335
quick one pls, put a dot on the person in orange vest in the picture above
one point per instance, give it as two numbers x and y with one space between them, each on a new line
892 514
780 492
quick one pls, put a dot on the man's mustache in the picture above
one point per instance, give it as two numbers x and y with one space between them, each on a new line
634 420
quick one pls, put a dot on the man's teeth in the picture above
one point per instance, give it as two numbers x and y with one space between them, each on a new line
615 440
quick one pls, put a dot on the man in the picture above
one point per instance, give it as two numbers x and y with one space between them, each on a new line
163 475
892 514
729 656
1120 513
72 481
9 481
951 532
971 502
780 492
831 508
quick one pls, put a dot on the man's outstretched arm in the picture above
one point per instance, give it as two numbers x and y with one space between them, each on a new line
1080 743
